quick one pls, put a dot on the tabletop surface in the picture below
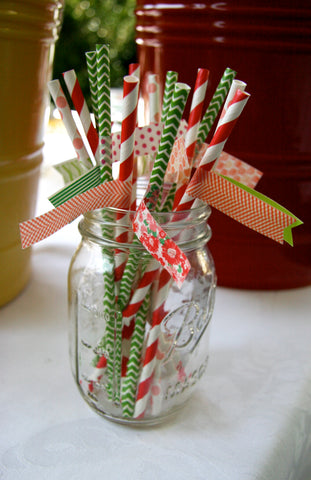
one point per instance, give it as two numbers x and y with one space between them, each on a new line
250 418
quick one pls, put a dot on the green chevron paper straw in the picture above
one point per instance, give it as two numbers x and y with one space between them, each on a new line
133 367
170 80
174 115
169 200
104 130
104 109
92 76
215 104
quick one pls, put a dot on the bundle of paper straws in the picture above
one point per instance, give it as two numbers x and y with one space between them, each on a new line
129 375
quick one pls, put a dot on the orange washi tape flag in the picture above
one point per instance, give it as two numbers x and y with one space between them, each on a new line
245 205
108 194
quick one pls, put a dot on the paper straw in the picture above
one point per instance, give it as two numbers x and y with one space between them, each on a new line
180 95
141 291
170 80
133 367
170 129
66 115
179 99
154 98
150 359
80 105
129 117
236 85
215 104
224 128
134 69
92 76
104 110
196 112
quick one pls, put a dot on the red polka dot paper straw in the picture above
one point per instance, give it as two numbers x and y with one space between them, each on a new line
62 105
80 105
196 111
221 135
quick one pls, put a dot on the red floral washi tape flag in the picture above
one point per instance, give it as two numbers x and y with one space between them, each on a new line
160 245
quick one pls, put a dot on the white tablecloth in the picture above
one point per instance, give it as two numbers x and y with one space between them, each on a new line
250 418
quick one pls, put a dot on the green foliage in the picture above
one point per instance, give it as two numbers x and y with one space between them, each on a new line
89 22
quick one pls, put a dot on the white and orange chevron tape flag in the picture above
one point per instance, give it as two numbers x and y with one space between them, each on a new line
244 205
109 194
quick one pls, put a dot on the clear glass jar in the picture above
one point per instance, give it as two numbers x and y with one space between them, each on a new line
139 368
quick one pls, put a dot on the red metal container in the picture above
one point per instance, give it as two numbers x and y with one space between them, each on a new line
269 44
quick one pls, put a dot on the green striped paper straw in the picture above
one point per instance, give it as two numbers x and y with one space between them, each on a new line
215 104
85 182
170 80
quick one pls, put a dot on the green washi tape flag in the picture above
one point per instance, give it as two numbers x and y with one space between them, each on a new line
287 232
82 184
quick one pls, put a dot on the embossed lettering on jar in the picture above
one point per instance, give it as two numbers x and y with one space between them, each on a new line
139 370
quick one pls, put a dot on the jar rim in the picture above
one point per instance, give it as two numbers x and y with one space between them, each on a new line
202 209
193 221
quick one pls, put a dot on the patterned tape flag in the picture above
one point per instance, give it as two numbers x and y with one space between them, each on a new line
70 169
232 167
161 247
245 205
112 194
85 182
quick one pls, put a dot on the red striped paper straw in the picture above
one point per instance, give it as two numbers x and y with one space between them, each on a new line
129 117
221 135
63 107
80 105
196 112
128 125
235 85
150 359
134 69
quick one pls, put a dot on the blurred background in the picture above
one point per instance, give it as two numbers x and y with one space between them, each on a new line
87 22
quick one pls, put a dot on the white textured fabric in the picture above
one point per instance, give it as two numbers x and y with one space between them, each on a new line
249 420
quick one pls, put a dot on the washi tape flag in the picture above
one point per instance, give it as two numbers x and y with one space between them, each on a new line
147 139
160 245
178 168
232 167
70 169
245 205
85 182
108 194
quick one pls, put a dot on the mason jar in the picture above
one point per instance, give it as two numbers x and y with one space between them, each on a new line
138 363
